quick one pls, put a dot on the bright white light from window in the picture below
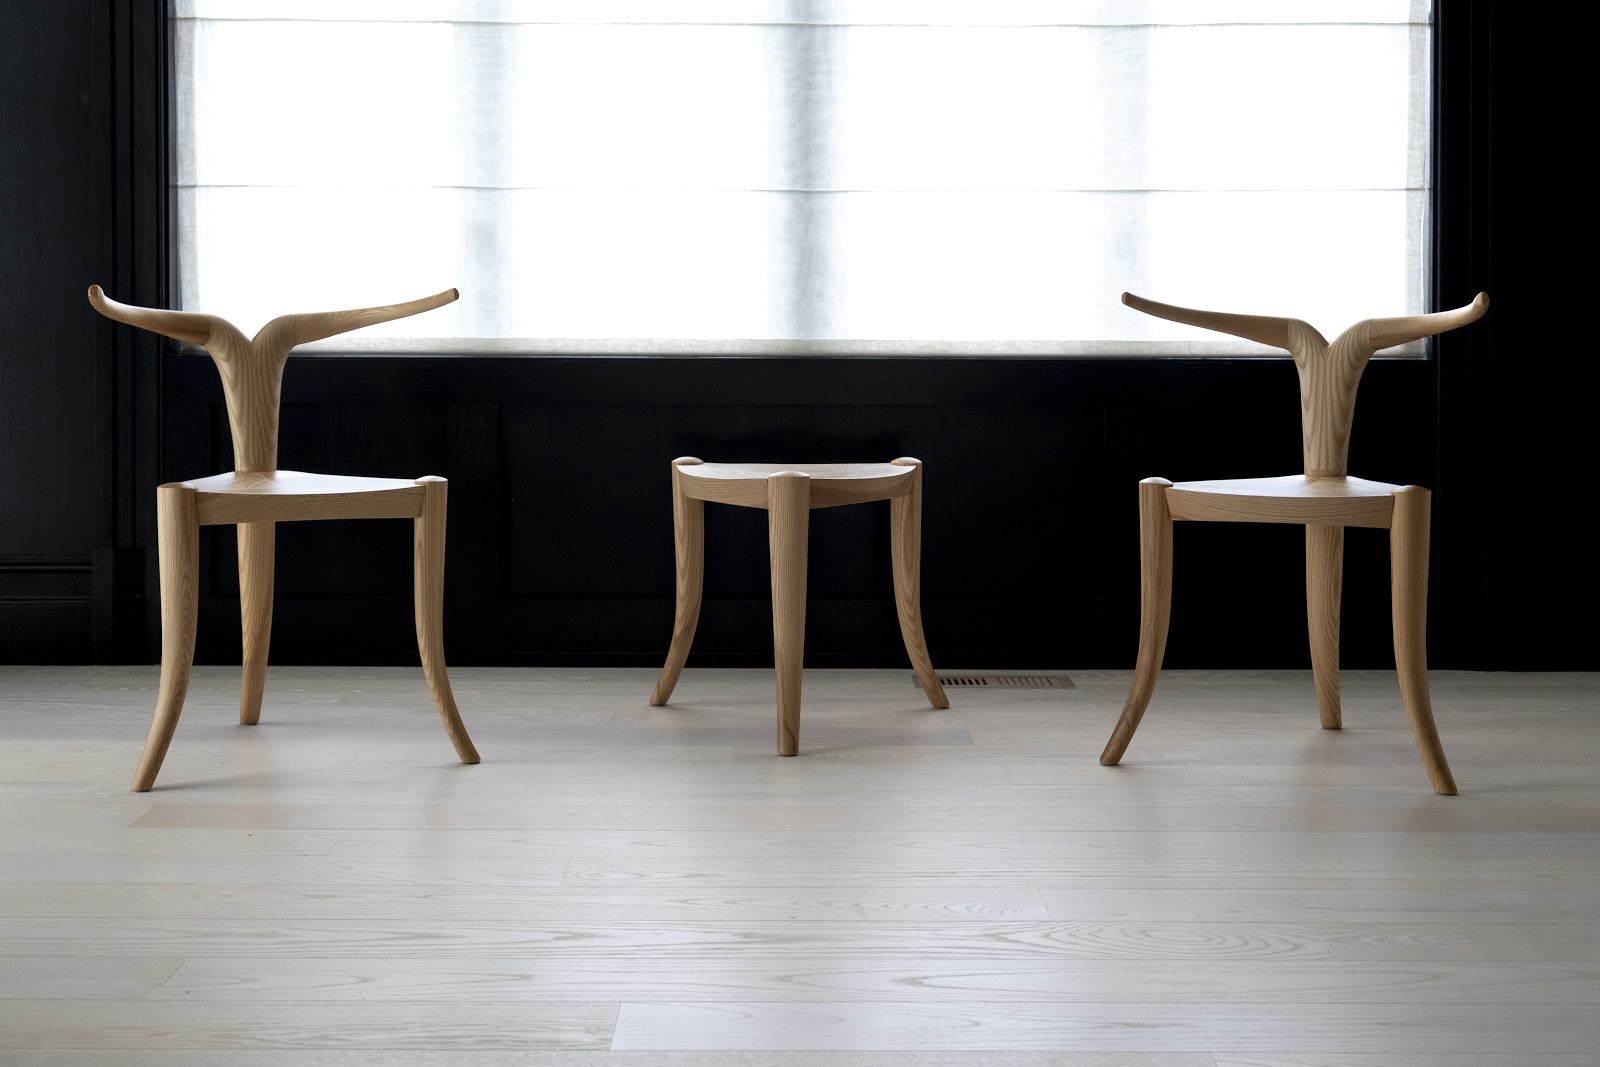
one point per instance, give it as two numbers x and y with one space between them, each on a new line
970 176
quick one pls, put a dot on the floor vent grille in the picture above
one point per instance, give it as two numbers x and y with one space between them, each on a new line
1003 681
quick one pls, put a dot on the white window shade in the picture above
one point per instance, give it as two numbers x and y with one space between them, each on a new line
855 176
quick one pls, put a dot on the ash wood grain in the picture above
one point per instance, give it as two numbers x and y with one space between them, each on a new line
788 535
252 367
1465 942
689 548
788 493
1333 500
1324 582
905 539
295 496
521 903
832 484
1323 498
1408 582
638 941
257 552
178 542
1155 610
276 869
256 494
428 591
1394 904
1297 906
84 977
1373 1029
278 1025
846 978
1209 808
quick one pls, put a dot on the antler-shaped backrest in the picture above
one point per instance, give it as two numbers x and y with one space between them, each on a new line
252 368
1329 374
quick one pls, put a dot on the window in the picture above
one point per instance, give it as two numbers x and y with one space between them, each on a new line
945 177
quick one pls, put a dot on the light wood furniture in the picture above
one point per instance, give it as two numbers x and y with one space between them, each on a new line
1324 499
789 493
256 495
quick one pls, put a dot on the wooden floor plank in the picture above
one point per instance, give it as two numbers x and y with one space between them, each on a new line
1132 1025
165 1024
620 885
816 939
877 977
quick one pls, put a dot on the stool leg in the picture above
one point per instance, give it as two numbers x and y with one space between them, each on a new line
689 541
1324 576
178 543
1155 610
905 539
256 553
428 588
788 528
1408 578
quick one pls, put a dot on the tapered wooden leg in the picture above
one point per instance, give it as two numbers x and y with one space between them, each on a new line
428 578
788 529
256 552
178 545
1408 577
689 539
1324 577
905 539
1155 609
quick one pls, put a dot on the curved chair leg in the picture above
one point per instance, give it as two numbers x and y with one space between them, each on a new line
428 576
788 529
178 543
256 553
689 540
905 540
1324 577
1408 576
1155 610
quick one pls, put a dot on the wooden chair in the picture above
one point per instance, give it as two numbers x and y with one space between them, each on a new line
1324 499
789 493
255 495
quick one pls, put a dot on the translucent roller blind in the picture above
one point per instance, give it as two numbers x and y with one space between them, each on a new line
962 177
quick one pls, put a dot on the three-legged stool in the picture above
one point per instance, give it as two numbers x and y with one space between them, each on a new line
789 493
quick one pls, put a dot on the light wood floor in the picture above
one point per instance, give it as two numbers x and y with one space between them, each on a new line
619 884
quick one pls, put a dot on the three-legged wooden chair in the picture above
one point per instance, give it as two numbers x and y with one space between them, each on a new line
789 494
1324 499
256 495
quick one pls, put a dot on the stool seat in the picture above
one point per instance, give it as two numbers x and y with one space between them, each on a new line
789 493
832 484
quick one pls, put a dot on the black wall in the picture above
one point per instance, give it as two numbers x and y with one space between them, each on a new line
560 539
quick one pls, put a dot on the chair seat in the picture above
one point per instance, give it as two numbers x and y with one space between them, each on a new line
1331 500
832 484
288 496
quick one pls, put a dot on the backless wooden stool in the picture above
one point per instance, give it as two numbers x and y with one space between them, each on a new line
789 493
